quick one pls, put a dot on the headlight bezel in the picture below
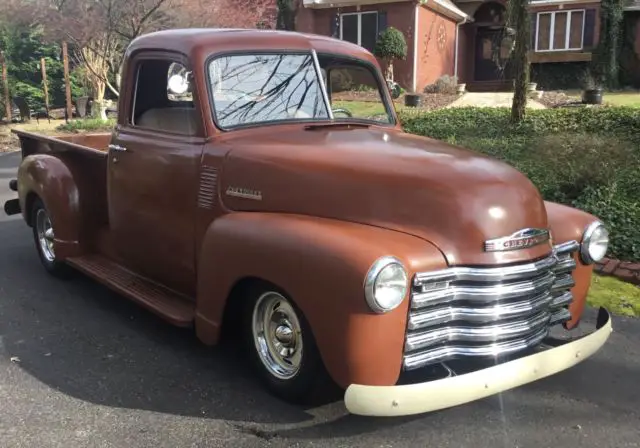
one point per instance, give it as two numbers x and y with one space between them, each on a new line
371 278
587 237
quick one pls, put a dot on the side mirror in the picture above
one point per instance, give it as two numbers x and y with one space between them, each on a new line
178 85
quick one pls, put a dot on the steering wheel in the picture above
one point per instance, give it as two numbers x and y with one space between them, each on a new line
342 111
382 117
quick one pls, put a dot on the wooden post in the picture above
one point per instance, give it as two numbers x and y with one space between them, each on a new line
67 82
43 67
5 86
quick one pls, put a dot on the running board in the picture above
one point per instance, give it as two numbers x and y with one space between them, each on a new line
178 310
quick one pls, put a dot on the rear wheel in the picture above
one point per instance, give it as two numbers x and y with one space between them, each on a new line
281 346
43 235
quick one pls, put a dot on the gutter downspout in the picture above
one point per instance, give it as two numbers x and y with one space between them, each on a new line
455 51
416 22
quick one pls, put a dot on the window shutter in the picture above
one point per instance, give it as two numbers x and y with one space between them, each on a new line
335 26
589 28
382 21
534 24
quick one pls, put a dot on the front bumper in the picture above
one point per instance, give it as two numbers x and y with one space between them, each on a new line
388 401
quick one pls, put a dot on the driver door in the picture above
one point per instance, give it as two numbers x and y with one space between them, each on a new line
153 171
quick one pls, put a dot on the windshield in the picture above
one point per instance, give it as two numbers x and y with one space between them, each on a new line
250 89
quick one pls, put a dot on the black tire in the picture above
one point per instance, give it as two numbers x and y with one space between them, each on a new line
54 267
306 386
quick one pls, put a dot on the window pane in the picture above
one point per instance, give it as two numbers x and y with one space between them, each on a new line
544 27
355 94
575 33
257 88
350 28
369 30
560 31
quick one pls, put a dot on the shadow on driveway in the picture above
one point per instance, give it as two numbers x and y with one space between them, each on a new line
89 343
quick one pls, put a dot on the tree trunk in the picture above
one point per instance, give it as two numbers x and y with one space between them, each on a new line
605 62
522 24
99 109
286 19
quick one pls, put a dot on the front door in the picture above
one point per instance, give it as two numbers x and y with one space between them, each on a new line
492 55
153 170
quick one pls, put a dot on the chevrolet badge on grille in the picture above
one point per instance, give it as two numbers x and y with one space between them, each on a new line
521 239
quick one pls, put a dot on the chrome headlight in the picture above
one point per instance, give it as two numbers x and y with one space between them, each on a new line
595 243
385 285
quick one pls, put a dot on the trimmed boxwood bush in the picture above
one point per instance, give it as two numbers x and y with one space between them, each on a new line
588 158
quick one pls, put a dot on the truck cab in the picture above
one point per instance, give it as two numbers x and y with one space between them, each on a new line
244 189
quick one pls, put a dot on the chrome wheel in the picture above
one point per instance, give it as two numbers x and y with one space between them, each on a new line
45 235
277 335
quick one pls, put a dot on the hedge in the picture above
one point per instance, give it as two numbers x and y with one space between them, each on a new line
587 158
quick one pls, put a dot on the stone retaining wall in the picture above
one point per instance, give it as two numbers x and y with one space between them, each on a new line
623 270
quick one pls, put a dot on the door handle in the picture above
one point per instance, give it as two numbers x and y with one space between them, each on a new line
118 148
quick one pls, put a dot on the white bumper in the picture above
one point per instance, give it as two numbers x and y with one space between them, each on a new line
388 401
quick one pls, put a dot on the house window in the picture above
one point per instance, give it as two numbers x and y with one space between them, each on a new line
560 30
361 28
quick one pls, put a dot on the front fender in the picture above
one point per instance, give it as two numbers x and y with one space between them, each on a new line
566 224
51 180
321 264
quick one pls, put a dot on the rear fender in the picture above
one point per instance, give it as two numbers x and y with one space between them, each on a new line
566 224
321 264
47 177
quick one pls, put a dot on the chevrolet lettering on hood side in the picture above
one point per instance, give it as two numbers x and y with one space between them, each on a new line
259 183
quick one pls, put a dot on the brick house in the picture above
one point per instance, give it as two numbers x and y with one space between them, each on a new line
464 38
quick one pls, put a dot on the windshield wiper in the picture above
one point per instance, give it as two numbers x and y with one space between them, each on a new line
311 127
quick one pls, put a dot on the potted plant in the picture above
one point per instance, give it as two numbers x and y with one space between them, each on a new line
412 99
592 93
391 45
460 88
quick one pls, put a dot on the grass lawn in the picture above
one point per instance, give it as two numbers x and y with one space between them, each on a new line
361 109
618 297
629 99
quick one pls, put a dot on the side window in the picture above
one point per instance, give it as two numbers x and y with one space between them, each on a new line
354 93
163 99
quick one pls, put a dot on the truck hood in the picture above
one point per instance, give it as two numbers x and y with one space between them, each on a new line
454 198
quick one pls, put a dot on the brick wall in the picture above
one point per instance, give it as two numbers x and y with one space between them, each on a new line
399 15
436 47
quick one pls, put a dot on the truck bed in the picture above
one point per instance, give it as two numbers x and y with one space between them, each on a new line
85 155
31 143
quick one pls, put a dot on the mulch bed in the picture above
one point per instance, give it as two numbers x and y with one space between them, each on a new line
430 101
558 99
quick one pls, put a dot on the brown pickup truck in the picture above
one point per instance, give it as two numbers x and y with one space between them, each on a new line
260 182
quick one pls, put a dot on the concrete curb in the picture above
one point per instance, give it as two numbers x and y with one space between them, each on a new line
6 153
627 271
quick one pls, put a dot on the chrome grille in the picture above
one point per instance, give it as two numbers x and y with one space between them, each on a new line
475 311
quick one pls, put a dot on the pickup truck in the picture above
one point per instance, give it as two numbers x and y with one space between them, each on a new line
259 183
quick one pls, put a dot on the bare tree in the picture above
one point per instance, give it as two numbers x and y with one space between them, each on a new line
224 13
99 31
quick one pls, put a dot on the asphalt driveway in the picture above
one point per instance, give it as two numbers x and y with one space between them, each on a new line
82 367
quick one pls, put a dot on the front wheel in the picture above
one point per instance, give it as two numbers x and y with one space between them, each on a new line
281 346
44 236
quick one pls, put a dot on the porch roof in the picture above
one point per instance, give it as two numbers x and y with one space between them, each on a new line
445 7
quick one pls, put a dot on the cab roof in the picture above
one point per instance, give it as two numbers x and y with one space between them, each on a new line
216 40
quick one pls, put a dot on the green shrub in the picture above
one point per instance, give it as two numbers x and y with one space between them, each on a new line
586 158
444 84
88 124
391 44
